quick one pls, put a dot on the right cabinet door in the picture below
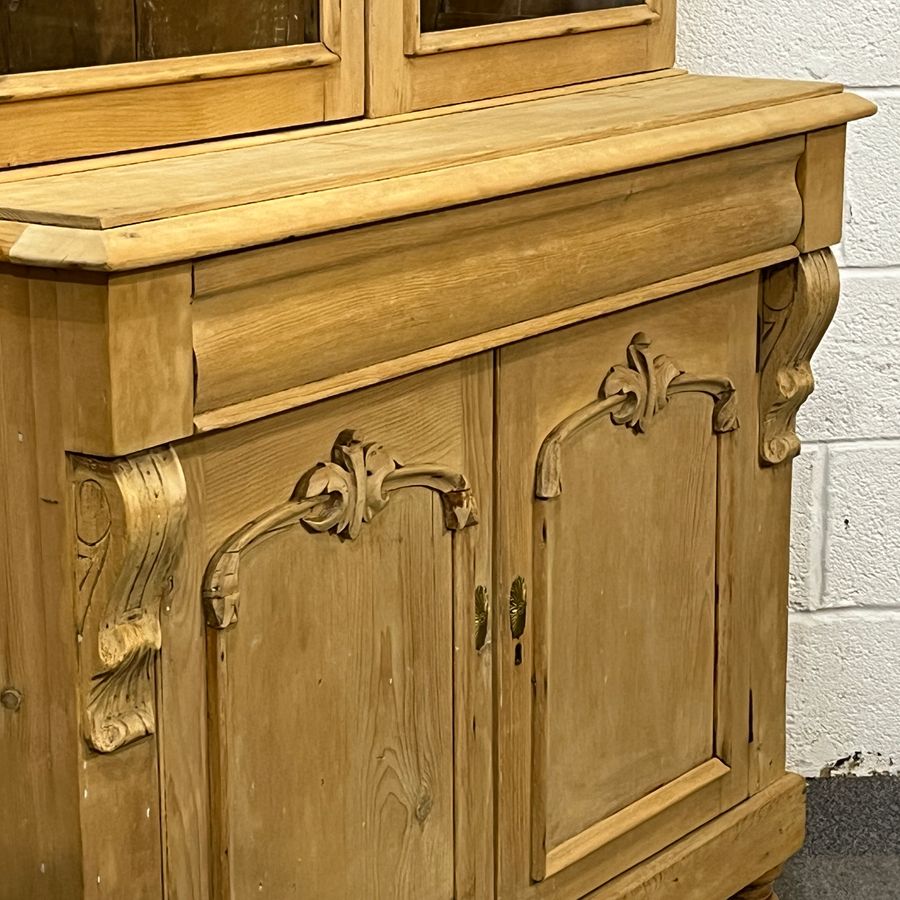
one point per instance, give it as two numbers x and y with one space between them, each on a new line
626 448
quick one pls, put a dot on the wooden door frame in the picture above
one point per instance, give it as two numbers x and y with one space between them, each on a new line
94 110
409 71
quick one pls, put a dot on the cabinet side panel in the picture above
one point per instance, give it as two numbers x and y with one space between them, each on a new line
40 841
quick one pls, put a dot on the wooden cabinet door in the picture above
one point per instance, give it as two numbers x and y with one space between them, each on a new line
347 569
429 53
624 445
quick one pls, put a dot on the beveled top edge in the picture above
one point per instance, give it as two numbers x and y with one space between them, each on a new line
354 201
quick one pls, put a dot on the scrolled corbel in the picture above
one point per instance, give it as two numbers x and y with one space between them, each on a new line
129 527
798 302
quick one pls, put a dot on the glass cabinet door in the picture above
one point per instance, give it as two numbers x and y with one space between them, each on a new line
87 77
428 53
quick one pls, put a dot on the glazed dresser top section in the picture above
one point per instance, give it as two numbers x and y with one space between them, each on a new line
136 210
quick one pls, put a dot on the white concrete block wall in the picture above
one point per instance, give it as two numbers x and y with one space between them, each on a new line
844 664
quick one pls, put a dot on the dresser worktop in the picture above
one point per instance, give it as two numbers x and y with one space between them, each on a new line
128 212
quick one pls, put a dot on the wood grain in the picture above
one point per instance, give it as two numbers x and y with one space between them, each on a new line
126 359
534 377
193 98
230 416
40 839
216 231
400 780
719 858
820 176
511 267
288 134
126 195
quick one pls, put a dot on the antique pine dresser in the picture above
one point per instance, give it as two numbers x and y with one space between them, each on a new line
397 405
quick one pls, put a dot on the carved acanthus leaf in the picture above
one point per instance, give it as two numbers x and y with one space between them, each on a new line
338 497
633 394
799 300
129 526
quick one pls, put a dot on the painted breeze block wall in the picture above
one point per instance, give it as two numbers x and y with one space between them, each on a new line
844 664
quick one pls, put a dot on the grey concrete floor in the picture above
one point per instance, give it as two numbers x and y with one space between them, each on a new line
852 849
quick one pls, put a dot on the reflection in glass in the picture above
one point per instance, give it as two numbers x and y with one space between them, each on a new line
37 35
440 15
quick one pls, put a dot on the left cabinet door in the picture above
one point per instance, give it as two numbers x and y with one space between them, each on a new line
347 676
146 74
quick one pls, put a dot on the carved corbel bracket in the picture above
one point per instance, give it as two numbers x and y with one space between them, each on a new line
337 497
129 527
633 395
798 302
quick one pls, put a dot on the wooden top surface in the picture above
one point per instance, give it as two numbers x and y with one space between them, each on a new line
330 177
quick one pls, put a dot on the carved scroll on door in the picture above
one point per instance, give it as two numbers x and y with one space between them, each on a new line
633 395
338 496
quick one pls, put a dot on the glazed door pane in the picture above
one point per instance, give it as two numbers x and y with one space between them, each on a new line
39 35
439 15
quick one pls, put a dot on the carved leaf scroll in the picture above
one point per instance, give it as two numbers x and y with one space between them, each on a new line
129 526
798 302
634 394
338 497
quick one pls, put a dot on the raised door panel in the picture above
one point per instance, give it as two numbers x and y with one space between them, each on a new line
622 673
348 662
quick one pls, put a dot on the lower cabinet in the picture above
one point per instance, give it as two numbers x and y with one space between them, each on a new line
483 631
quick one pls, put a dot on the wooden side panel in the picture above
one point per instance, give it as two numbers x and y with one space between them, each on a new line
40 836
274 319
352 678
543 381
